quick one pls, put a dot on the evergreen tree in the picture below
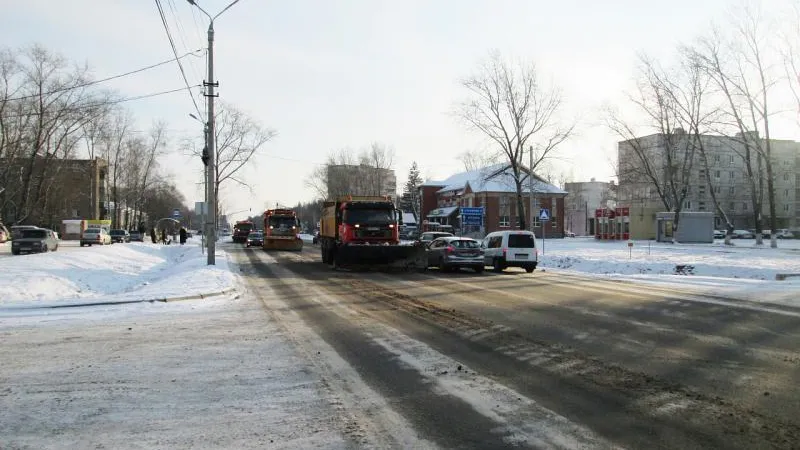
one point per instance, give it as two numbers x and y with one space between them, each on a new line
410 199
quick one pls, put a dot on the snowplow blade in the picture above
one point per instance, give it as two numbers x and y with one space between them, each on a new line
409 257
272 243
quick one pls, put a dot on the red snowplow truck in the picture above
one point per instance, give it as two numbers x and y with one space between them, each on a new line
363 231
241 230
280 230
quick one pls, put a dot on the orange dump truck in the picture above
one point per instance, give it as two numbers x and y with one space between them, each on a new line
280 230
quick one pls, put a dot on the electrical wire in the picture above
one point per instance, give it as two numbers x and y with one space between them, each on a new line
89 83
112 102
175 52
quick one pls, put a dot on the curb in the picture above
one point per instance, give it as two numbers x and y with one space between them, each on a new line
123 302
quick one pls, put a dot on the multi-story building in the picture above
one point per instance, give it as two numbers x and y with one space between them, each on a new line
583 199
725 171
352 179
493 189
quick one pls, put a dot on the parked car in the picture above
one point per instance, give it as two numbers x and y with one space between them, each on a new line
719 234
16 230
742 234
448 253
35 240
255 239
97 236
784 234
429 236
121 236
516 248
136 236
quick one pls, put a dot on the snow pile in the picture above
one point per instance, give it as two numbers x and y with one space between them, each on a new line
743 271
119 272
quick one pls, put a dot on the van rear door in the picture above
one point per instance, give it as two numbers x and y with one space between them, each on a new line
521 247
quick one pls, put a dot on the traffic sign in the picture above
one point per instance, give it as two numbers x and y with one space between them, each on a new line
176 213
470 211
544 215
472 216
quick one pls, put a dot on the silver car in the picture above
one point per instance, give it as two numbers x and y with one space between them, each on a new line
448 253
34 240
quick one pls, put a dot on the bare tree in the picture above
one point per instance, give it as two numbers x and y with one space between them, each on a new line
511 107
477 159
238 137
671 100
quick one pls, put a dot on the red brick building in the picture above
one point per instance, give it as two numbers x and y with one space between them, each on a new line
492 188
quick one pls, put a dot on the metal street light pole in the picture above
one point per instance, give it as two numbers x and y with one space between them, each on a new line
212 163
204 209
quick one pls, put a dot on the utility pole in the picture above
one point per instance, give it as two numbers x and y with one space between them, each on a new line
530 186
211 170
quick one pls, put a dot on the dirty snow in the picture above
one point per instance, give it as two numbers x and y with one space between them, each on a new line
119 272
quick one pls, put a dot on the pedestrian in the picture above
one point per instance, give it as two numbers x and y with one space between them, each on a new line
164 236
183 235
153 235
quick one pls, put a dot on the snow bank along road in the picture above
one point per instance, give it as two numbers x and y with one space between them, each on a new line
542 361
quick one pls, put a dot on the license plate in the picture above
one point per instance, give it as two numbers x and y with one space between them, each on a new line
373 229
25 249
521 255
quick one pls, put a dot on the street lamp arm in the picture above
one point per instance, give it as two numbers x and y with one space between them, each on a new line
225 9
194 3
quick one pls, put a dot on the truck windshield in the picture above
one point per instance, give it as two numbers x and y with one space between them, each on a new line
243 227
282 223
376 216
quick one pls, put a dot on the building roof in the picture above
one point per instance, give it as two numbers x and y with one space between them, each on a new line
495 178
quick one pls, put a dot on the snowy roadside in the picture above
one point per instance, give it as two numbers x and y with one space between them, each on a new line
116 273
742 271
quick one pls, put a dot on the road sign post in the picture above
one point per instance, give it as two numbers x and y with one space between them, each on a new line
471 216
544 217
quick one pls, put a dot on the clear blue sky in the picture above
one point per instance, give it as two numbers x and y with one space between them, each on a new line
333 74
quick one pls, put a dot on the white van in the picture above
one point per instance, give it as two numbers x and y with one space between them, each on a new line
513 248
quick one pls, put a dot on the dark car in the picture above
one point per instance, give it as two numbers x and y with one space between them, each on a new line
255 239
34 240
451 252
136 236
120 236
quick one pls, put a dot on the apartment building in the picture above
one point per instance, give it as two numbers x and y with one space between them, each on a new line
725 171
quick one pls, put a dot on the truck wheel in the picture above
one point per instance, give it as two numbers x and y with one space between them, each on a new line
497 266
529 269
478 269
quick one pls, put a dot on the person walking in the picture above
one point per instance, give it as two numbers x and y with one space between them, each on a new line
183 235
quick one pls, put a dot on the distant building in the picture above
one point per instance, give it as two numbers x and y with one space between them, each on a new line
72 189
351 179
583 199
492 188
729 179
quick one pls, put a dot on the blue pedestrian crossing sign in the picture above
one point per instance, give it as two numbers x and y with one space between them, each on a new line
544 215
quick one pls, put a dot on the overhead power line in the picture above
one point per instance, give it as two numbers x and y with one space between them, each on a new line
113 102
103 80
175 52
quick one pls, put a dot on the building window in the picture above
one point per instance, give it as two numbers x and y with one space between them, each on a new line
505 221
701 206
785 192
701 188
536 222
716 158
786 176
744 206
732 174
730 159
716 174
717 189
731 206
786 208
702 174
731 190
687 205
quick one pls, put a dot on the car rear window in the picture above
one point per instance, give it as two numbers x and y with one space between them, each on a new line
520 241
34 234
465 244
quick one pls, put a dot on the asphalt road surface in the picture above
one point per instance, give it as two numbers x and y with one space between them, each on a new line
596 364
